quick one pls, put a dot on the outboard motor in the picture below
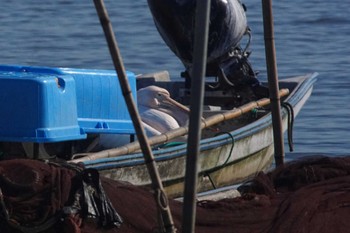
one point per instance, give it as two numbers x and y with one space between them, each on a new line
226 60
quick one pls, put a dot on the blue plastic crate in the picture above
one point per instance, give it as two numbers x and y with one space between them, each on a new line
101 105
42 104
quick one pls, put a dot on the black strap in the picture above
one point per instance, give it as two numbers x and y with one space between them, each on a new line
290 112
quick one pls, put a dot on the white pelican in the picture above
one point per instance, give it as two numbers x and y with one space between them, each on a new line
159 113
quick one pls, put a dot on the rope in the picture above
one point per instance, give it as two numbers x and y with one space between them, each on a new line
290 113
207 173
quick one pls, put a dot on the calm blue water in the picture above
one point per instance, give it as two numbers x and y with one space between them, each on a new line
310 36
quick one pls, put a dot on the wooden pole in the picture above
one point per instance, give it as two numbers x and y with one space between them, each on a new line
273 81
166 221
196 106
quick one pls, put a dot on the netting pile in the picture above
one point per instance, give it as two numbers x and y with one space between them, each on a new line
308 195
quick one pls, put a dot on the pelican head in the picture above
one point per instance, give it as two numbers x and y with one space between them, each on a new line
159 110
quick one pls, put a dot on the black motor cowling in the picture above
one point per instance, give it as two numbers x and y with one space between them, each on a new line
174 20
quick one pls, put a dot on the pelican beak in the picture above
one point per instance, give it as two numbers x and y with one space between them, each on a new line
166 100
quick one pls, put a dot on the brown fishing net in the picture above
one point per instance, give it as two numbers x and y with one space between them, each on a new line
39 196
33 193
309 195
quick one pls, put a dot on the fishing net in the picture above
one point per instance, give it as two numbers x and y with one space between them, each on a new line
308 195
37 196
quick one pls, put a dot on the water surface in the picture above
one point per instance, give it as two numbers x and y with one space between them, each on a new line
310 36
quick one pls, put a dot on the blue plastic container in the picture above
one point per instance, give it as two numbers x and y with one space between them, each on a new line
42 104
100 102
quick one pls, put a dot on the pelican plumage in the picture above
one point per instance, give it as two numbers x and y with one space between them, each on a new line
159 113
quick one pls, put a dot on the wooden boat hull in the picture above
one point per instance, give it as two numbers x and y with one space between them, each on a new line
226 159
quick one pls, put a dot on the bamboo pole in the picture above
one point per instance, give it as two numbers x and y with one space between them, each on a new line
196 106
206 123
165 218
273 81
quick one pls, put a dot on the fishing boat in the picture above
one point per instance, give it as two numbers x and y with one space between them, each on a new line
231 150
